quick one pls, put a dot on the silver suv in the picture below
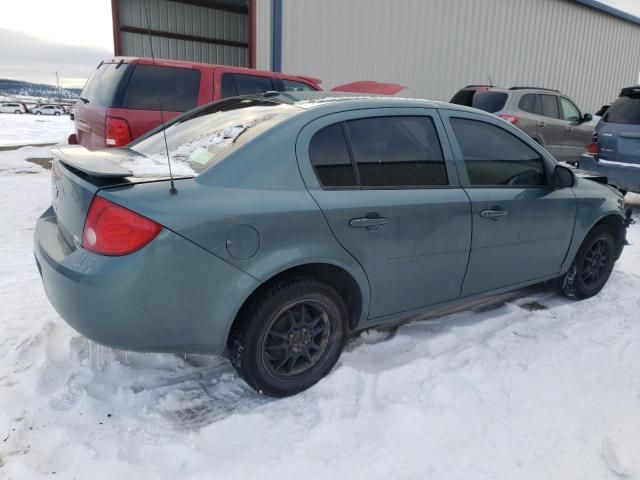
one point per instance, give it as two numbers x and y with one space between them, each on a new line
549 117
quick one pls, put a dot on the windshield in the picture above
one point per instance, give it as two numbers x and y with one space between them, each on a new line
205 136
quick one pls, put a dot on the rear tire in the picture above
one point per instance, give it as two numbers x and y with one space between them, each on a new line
38 113
592 265
289 336
57 114
17 111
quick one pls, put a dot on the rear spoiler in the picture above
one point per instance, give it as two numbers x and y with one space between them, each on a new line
94 163
370 86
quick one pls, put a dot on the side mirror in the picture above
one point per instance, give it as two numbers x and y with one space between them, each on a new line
587 118
563 177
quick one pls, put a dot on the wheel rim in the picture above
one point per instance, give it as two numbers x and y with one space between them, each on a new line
297 338
595 263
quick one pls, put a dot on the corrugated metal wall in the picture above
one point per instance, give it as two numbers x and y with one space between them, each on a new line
185 19
437 46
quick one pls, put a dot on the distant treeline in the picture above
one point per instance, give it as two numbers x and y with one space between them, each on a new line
19 87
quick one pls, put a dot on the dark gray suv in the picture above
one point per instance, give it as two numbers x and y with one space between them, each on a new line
549 117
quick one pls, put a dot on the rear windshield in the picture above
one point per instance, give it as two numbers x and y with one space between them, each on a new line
205 136
487 100
102 87
626 109
153 86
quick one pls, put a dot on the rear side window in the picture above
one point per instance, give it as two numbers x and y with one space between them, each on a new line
397 152
489 101
549 106
151 85
494 157
329 156
102 87
626 109
530 103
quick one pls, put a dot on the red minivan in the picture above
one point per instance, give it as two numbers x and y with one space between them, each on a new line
123 98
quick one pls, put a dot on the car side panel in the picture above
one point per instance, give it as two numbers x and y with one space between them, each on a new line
594 202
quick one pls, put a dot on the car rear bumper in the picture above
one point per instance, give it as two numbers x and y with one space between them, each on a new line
170 296
620 175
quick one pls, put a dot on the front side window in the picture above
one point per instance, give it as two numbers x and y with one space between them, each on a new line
293 86
549 106
569 111
494 157
150 86
250 84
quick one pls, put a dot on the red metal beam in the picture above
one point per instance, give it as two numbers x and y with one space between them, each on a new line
252 33
115 16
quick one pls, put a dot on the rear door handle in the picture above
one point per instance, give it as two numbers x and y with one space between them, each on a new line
370 223
493 213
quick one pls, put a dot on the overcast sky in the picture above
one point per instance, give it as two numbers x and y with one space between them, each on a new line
40 37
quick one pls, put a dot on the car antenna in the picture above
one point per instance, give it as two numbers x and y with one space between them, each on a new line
490 81
172 190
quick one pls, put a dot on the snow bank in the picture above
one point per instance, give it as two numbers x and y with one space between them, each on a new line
27 129
509 392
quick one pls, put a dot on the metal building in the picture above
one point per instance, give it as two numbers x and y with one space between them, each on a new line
434 47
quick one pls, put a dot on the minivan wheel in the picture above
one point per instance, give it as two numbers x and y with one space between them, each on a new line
289 336
592 265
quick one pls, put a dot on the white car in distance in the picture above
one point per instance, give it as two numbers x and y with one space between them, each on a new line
47 110
7 107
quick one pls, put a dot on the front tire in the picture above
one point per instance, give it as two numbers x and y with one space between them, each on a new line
38 113
289 336
18 112
592 265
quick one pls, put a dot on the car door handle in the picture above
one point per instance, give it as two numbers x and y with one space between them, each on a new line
541 124
370 223
493 213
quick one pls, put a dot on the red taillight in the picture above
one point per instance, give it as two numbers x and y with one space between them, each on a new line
116 132
73 139
513 119
592 149
114 230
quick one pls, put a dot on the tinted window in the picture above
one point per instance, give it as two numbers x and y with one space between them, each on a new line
249 84
330 157
209 134
489 101
463 97
228 87
527 103
569 110
397 151
290 85
549 106
102 86
626 109
493 156
176 88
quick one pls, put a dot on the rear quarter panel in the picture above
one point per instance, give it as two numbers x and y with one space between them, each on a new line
260 186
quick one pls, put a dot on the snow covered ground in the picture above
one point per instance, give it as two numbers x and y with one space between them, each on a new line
524 390
27 129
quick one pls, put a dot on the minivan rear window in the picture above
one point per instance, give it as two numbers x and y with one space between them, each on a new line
150 86
489 101
626 109
102 87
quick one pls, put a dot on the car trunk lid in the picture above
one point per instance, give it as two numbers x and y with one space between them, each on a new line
77 174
